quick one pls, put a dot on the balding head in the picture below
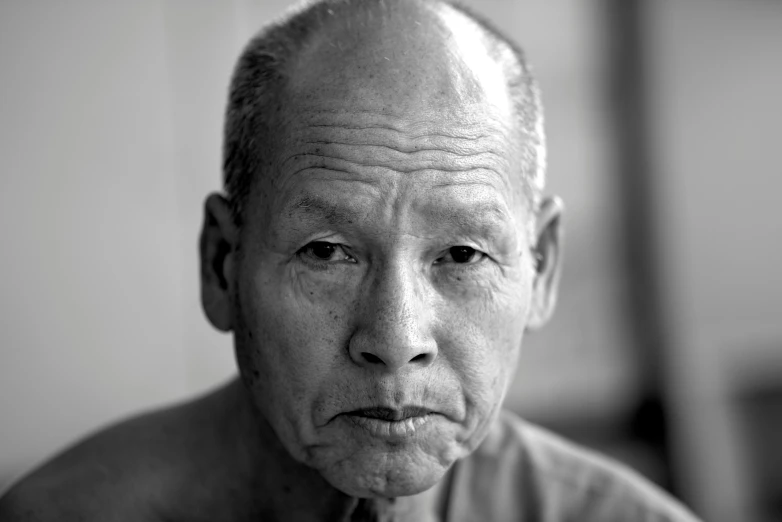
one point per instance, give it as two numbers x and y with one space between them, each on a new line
392 56
399 55
387 259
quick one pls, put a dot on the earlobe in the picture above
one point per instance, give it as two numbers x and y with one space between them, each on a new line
548 262
217 247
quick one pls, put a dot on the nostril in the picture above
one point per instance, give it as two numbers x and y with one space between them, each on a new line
371 358
419 357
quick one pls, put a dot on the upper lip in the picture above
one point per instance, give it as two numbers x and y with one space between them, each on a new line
391 414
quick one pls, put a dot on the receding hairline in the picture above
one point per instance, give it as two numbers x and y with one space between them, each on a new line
262 79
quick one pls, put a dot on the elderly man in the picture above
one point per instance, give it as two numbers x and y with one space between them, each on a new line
381 249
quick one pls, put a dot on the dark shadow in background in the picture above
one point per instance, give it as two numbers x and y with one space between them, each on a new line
648 423
639 435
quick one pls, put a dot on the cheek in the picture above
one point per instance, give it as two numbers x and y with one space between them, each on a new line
482 339
295 328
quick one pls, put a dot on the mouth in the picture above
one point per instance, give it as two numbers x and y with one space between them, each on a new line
390 423
391 414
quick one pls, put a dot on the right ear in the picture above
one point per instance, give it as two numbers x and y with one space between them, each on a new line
217 247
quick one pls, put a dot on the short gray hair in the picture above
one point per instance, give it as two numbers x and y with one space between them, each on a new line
259 81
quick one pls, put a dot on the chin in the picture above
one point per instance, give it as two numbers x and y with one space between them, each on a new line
383 488
387 480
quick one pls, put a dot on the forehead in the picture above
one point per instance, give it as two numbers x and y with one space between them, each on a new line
344 164
464 139
403 91
393 205
357 154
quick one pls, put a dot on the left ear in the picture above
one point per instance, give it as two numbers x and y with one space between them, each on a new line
548 251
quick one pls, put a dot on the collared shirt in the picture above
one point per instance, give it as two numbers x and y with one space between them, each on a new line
523 473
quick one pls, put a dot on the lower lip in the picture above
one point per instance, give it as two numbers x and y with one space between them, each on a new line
393 430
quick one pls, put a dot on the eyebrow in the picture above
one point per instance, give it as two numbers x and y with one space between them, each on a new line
486 218
312 208
487 213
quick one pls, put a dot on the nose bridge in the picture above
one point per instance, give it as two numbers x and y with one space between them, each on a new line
398 297
395 329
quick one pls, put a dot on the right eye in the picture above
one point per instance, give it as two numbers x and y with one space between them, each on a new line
325 252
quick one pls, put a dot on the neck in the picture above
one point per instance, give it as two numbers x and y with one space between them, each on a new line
284 489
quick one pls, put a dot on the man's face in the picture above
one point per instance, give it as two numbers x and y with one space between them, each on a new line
392 272
385 276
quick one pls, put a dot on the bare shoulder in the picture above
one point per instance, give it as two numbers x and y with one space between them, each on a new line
131 470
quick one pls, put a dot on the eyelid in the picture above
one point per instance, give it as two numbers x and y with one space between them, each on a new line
331 239
301 252
447 252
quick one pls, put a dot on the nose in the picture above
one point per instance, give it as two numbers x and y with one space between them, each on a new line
394 330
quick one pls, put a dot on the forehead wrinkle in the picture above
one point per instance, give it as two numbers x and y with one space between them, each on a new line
465 121
431 142
415 150
413 136
353 161
372 149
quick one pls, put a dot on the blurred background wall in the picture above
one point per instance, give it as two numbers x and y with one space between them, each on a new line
662 118
714 84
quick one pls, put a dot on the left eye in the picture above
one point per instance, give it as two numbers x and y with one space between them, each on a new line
462 255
